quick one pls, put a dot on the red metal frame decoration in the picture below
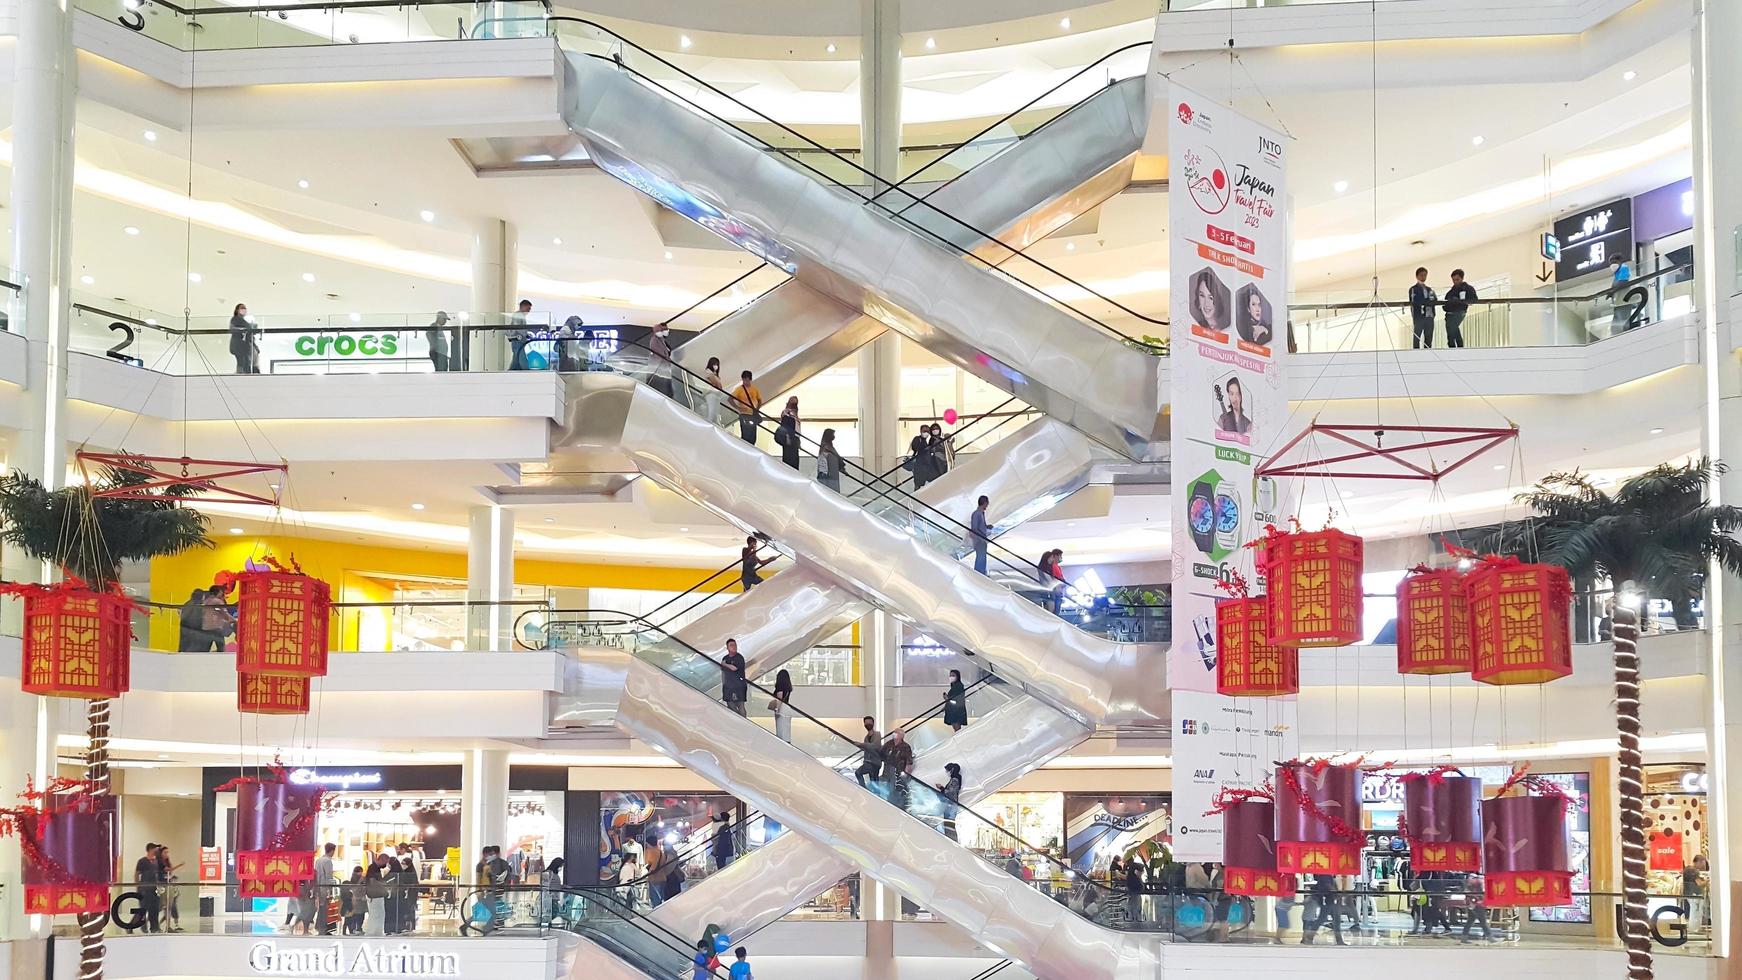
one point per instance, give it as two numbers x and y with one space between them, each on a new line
1483 438
214 492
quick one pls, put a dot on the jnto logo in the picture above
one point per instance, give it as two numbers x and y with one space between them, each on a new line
1185 113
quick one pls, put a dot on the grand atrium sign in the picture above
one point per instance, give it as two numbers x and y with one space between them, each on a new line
269 959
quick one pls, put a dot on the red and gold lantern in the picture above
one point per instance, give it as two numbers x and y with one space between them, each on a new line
69 860
77 641
1520 622
1247 665
1313 579
1249 851
1524 847
1433 623
1442 817
275 837
1318 818
281 624
258 694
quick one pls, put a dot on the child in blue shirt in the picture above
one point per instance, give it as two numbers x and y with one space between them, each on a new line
741 969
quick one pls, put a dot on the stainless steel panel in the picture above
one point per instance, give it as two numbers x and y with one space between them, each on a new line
777 620
885 842
785 337
869 261
592 685
587 960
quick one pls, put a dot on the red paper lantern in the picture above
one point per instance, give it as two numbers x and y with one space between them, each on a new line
1249 851
1524 848
71 860
281 624
262 695
1318 819
275 837
1314 583
1443 818
1433 623
77 642
1246 665
1521 623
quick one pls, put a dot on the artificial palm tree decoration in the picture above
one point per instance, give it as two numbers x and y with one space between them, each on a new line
1656 535
89 536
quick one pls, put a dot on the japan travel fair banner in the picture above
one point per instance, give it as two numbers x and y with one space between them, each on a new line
1228 256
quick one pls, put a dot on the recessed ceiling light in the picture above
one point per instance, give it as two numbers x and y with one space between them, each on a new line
1657 431
308 277
427 216
416 506
550 520
356 318
668 256
163 755
194 277
684 529
235 530
1065 23
1340 186
556 241
131 230
1070 246
1499 466
831 48
87 280
302 184
1628 76
1348 493
150 322
930 43
1477 140
683 41
151 136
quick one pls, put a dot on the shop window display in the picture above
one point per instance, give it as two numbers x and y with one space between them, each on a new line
682 821
1678 861
1100 827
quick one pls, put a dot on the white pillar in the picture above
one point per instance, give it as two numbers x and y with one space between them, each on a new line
879 362
1717 126
483 803
490 577
495 280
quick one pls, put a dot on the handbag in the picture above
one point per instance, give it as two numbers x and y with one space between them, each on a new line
774 705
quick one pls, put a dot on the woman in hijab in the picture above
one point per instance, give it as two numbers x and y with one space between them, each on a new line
829 462
787 434
919 461
781 705
410 889
244 341
375 897
951 790
352 902
940 450
956 703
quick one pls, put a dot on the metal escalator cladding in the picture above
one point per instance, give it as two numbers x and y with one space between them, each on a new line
601 914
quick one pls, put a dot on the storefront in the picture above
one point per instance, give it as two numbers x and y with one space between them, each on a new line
1100 827
1679 862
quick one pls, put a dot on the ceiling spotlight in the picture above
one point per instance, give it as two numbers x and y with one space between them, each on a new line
556 241
1657 431
302 184
131 230
1348 493
1477 140
194 277
88 280
684 530
427 216
1499 466
416 506
308 277
931 43
831 48
356 318
550 520
683 41
235 530
668 256
1340 186
1628 76
1065 24
151 136
1070 246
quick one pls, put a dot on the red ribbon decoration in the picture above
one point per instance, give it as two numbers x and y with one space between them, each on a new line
296 828
1229 797
21 820
1534 785
1338 827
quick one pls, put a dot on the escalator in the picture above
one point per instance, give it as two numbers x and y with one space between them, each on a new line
1021 188
1032 908
614 941
905 262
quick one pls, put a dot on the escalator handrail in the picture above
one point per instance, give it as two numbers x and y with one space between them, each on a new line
686 311
875 181
955 447
962 808
606 896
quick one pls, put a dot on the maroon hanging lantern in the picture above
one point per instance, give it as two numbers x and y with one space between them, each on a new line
1524 846
275 836
1442 819
1318 818
1433 622
1249 851
67 836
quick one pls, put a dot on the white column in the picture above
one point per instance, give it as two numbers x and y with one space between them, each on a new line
490 576
495 280
483 803
1717 125
879 362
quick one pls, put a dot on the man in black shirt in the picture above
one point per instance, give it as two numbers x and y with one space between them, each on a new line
1457 304
148 874
734 687
872 762
1421 309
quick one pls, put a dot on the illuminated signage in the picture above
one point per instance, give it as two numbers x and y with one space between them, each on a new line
343 780
1590 238
1694 783
346 345
272 959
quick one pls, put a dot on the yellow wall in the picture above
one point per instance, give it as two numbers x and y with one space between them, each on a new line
351 569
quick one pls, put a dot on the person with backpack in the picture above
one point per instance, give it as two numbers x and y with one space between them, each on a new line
725 844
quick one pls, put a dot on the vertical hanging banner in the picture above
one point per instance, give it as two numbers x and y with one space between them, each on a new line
1228 255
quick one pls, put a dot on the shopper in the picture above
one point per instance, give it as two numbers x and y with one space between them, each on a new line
725 845
1620 272
1475 909
653 858
1458 300
1694 877
352 903
494 877
672 864
1422 301
942 450
786 436
1134 889
1324 893
741 969
781 705
734 686
951 791
325 878
573 333
148 874
747 402
632 875
748 564
517 336
410 890
1621 311
244 341
171 895
956 700
659 345
919 461
194 636
1284 910
1052 578
829 462
980 533
715 398
871 753
701 968
375 898
897 766
437 337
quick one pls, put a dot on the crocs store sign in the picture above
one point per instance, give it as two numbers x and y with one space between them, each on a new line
273 959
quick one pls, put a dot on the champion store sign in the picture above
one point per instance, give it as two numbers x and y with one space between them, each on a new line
272 959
